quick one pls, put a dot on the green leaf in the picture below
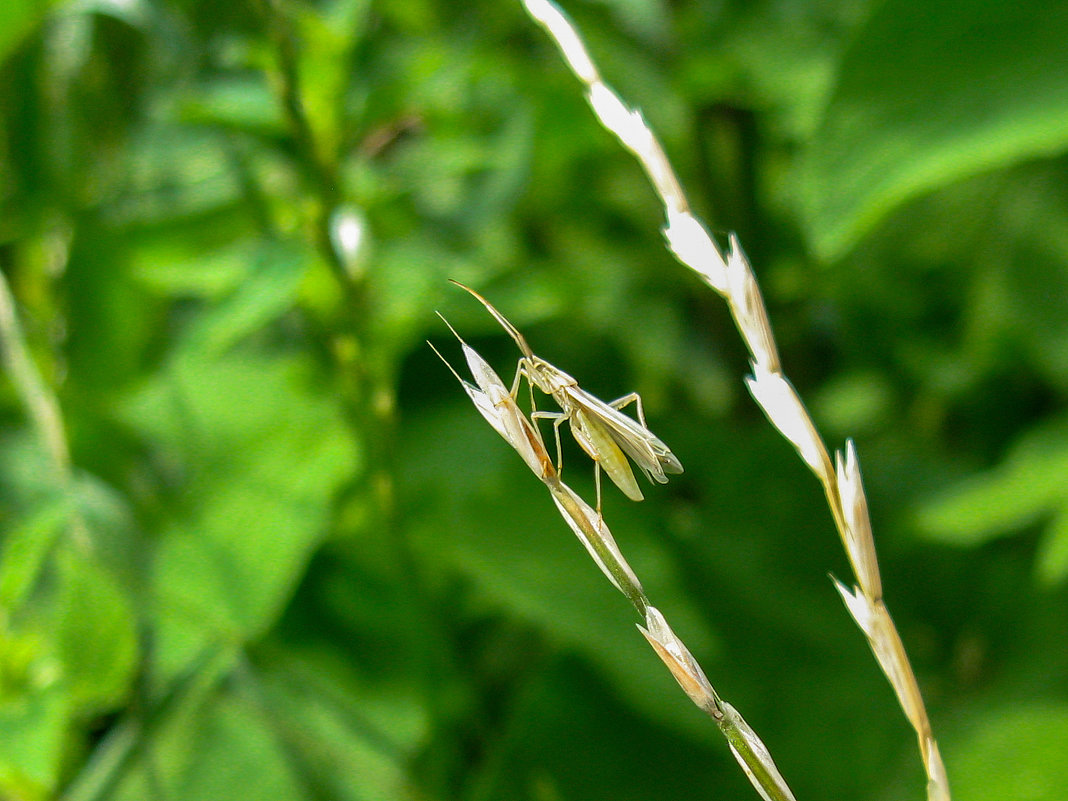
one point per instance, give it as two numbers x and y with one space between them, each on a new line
236 757
25 548
95 634
32 731
1052 563
211 747
1026 485
17 18
210 275
929 94
238 103
853 403
262 451
1015 752
268 290
355 739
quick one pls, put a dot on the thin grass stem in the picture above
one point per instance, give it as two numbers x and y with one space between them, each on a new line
730 275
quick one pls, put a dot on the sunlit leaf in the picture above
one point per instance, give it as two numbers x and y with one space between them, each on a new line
25 548
927 95
269 289
1052 563
239 103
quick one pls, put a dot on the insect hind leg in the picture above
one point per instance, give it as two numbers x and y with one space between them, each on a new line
597 483
626 400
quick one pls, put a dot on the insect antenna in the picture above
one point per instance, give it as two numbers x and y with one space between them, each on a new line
511 329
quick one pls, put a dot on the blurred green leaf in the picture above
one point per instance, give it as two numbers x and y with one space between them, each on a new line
257 493
95 633
17 18
237 756
929 94
211 746
1011 752
1027 485
33 727
853 404
25 548
269 288
209 275
240 103
1052 563
327 38
354 740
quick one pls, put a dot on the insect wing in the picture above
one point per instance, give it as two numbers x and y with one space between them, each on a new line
639 443
597 440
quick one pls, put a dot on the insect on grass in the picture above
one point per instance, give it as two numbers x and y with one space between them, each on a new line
606 434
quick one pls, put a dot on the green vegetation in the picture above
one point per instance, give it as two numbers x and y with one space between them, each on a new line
255 542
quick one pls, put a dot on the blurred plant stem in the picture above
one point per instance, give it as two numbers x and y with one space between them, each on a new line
367 373
369 384
40 402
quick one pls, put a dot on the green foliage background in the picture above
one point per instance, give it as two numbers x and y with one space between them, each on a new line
288 560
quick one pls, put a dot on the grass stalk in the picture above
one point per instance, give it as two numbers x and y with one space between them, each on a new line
730 275
498 406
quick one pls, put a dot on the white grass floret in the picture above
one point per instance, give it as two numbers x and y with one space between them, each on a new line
692 245
938 785
780 402
747 305
674 653
628 125
567 38
496 404
874 620
860 544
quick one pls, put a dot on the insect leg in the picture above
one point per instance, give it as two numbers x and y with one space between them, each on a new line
635 398
558 419
523 371
597 482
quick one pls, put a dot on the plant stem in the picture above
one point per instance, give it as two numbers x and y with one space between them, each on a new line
40 402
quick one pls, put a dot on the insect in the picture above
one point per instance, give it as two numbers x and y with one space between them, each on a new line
600 428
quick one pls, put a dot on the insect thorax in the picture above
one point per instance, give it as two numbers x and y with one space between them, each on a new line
547 378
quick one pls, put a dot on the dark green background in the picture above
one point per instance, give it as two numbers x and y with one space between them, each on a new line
313 572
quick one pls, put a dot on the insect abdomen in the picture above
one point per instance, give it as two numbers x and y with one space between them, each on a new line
593 438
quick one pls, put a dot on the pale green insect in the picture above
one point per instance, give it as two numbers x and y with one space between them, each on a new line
600 428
